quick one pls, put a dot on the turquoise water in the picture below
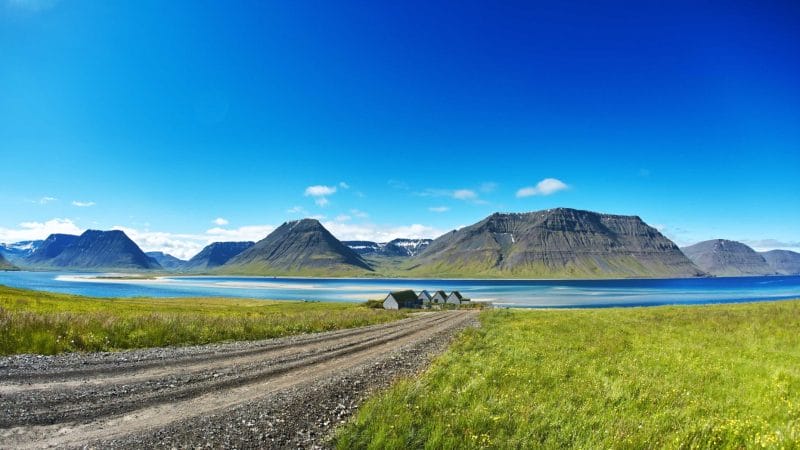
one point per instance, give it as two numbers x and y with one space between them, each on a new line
523 293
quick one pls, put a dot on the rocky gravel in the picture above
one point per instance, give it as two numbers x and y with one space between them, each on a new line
282 393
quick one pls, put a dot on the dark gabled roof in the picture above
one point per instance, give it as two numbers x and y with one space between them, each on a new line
457 294
404 296
444 294
424 292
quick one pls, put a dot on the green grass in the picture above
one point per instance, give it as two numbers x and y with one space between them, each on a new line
46 323
722 376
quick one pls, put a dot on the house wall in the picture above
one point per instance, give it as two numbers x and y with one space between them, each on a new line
438 299
390 303
452 299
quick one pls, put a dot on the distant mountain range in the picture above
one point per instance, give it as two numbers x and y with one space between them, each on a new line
554 243
166 260
301 247
19 250
721 257
394 248
94 249
5 265
215 255
783 262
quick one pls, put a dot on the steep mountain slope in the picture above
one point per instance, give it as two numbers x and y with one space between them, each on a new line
50 248
302 247
555 243
783 262
18 251
166 260
94 249
216 254
393 248
721 257
5 265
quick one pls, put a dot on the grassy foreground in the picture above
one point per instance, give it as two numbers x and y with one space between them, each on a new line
723 376
46 323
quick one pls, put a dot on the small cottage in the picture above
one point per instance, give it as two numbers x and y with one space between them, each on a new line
425 298
455 298
439 297
402 299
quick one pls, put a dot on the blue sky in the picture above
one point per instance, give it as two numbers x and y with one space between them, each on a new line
397 118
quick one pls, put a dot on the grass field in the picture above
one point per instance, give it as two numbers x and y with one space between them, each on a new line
722 376
45 323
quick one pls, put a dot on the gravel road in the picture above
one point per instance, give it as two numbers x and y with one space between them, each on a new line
278 393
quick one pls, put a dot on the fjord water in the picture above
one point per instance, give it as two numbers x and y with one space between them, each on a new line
518 293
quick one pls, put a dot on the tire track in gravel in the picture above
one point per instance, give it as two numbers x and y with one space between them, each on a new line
57 403
125 414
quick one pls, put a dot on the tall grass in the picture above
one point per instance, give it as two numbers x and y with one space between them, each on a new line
724 376
46 323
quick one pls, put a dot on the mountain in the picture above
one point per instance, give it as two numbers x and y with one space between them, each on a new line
50 248
301 247
555 243
783 262
394 248
94 249
5 265
721 257
166 260
19 250
216 254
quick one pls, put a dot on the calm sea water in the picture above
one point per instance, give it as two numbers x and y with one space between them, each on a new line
522 293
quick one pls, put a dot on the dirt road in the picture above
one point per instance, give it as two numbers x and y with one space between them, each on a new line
287 392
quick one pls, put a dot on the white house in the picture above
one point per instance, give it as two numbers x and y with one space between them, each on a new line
401 299
439 297
424 297
455 298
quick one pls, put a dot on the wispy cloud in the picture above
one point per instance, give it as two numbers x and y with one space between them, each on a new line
439 209
342 218
28 231
220 221
245 233
45 200
762 245
347 231
344 185
548 186
298 211
81 204
467 195
320 193
358 213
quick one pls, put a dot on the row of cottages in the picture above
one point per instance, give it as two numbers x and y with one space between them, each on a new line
410 299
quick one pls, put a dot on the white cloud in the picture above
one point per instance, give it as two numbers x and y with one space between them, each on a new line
322 201
46 200
763 245
344 185
246 233
464 194
82 204
346 231
547 186
297 210
439 209
29 231
342 218
320 191
220 221
358 213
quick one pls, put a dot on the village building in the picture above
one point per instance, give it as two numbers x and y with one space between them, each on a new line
402 299
425 298
439 298
455 298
